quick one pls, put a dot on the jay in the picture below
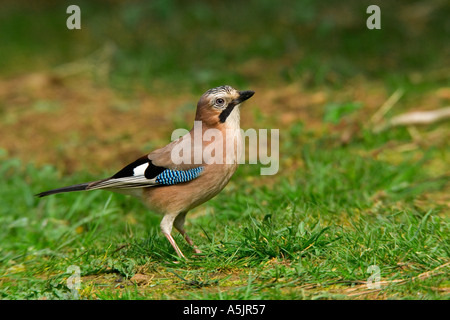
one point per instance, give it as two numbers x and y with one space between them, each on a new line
172 187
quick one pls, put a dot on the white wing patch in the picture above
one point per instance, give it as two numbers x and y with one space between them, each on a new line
140 170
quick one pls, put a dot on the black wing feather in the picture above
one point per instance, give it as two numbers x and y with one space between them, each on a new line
151 172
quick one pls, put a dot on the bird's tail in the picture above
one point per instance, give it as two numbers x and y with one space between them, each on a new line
76 187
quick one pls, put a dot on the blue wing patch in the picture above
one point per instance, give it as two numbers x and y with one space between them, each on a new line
170 177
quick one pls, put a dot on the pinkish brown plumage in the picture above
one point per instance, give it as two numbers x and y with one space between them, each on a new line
172 187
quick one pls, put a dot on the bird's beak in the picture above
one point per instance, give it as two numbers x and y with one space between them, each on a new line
244 95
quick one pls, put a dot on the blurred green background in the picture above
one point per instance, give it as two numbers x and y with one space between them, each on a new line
309 61
196 44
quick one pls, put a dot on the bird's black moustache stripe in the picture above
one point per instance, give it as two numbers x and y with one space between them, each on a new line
226 112
243 96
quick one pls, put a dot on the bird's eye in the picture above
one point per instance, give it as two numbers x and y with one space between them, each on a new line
219 102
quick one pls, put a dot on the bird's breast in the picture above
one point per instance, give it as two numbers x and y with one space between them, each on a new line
185 196
223 146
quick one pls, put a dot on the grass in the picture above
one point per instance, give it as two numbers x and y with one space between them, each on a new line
310 235
345 198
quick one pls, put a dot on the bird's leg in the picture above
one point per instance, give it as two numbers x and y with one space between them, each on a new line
179 225
189 240
174 245
166 228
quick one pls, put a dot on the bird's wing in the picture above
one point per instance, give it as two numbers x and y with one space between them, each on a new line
144 173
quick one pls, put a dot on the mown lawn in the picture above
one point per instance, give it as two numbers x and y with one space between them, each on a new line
348 204
310 234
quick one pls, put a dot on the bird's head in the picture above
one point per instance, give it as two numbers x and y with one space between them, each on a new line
220 106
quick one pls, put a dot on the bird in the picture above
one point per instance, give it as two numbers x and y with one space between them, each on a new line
188 171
